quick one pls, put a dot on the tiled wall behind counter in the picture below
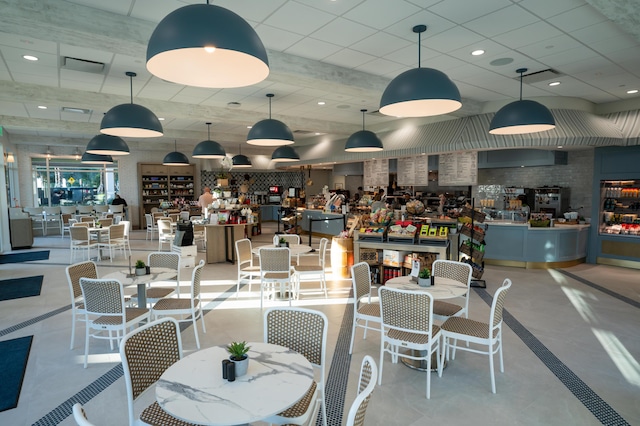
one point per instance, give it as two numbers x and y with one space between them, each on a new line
576 175
261 180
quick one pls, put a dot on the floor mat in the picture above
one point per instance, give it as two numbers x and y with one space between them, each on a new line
24 257
14 355
16 288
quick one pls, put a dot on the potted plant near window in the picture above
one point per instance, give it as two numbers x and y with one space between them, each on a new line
141 268
238 355
283 243
424 277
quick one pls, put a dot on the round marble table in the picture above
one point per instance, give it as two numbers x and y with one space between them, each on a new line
296 249
443 288
193 389
157 274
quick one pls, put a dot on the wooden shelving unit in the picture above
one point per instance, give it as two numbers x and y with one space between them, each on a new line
160 183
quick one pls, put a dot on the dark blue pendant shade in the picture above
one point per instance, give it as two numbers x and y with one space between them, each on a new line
420 92
175 158
208 149
88 158
131 120
285 154
523 116
205 45
270 132
107 145
241 161
363 141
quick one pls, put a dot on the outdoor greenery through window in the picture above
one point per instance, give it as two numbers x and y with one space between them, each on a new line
69 182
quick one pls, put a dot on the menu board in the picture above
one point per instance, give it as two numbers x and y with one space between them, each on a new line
458 169
376 172
413 171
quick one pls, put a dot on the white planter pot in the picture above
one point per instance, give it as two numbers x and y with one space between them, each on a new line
241 366
141 271
424 282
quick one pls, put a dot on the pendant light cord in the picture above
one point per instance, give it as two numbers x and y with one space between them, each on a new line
521 71
208 131
363 111
419 53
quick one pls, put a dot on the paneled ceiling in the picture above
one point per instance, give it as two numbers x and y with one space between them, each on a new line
342 53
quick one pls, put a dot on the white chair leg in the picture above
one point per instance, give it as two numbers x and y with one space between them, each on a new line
86 346
73 329
353 335
381 362
493 379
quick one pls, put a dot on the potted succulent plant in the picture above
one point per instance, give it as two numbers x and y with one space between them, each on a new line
424 277
141 268
283 243
238 355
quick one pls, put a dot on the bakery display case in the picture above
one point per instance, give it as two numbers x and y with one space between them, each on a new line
620 207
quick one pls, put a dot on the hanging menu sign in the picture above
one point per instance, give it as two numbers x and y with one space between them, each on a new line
413 171
376 172
458 169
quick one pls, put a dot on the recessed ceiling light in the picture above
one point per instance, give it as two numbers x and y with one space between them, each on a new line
248 127
477 52
42 107
318 133
632 91
161 118
30 57
321 102
554 83
559 146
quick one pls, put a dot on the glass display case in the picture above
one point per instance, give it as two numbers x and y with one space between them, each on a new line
620 207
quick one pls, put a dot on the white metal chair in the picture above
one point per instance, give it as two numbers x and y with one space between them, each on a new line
80 241
246 269
479 333
105 311
304 331
290 238
191 306
152 228
101 208
364 309
127 230
52 219
146 353
366 385
37 218
117 208
313 272
74 272
199 235
67 221
80 416
114 240
275 268
165 236
84 209
458 271
407 323
68 210
161 259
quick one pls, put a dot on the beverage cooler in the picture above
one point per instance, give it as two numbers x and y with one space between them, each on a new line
552 200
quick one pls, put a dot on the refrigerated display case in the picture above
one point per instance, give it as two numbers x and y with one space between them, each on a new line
620 207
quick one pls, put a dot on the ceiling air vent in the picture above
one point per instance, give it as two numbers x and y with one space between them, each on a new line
76 110
82 65
538 76
303 132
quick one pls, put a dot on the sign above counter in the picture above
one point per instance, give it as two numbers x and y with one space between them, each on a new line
413 171
376 172
458 169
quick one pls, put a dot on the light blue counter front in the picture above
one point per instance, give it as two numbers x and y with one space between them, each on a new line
332 225
516 244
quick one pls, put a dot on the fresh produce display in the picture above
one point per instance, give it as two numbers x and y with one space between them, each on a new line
381 216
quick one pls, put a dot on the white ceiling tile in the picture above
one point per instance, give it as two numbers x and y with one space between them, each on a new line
381 13
452 39
381 44
333 7
50 80
82 77
153 10
583 64
614 44
408 56
574 19
13 56
298 18
311 48
598 32
80 85
13 109
348 58
256 11
343 32
501 21
461 11
527 35
492 50
121 7
547 8
550 46
435 25
478 93
567 56
381 67
28 45
276 38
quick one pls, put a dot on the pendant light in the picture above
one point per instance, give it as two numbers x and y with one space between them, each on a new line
241 161
270 132
209 148
175 158
131 120
420 92
88 158
522 116
285 154
10 158
203 45
107 145
363 140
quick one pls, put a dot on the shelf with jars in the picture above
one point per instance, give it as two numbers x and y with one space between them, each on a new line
620 207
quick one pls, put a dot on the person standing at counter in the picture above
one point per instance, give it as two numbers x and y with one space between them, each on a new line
205 199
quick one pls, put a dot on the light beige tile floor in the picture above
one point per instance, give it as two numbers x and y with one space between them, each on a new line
588 336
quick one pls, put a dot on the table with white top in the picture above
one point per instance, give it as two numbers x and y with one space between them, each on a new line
443 288
295 249
193 389
127 279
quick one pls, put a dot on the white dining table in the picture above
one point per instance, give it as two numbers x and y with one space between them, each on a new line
127 279
193 389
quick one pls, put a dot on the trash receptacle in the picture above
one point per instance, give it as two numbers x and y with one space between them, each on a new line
184 234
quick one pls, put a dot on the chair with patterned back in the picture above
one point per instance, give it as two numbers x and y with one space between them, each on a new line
127 230
165 235
74 272
479 333
151 226
275 268
313 272
114 240
66 219
366 385
80 241
146 353
304 331
80 416
161 259
246 269
105 311
52 218
364 309
191 306
457 271
407 323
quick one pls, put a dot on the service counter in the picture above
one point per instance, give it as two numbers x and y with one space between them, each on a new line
326 224
221 240
518 244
